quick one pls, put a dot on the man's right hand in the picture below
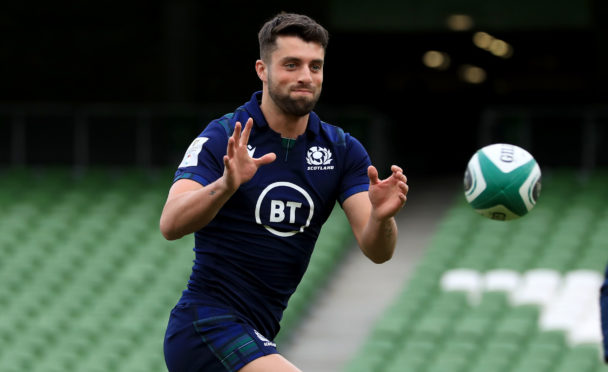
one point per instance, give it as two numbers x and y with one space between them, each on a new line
239 167
190 206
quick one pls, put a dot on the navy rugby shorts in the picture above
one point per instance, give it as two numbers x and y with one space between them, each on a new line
211 339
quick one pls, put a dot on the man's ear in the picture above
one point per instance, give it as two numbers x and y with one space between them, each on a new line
260 68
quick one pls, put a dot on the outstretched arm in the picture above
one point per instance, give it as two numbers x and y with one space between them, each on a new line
371 214
190 206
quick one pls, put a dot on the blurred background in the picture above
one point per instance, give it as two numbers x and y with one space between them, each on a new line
100 99
422 83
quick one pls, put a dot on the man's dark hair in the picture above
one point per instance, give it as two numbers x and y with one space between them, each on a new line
290 24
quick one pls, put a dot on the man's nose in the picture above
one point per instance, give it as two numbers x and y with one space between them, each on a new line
305 76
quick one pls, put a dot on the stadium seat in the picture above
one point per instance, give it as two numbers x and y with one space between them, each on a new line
583 358
414 355
538 287
466 280
577 299
588 331
501 280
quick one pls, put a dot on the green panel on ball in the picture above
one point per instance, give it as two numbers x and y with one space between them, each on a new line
502 188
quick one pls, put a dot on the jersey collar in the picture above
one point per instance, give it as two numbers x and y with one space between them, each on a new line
253 107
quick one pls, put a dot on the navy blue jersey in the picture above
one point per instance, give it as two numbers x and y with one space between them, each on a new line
253 254
604 314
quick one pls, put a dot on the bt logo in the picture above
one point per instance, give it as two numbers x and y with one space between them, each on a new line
281 204
277 210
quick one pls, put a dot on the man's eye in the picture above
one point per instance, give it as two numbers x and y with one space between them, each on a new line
316 67
290 65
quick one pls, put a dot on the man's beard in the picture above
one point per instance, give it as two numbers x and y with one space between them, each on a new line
290 106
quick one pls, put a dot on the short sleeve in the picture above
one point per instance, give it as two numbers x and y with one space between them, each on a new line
203 160
354 179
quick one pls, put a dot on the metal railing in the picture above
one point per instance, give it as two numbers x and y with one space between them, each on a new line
580 132
150 129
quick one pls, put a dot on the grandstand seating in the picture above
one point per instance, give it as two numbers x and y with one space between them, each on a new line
87 280
481 298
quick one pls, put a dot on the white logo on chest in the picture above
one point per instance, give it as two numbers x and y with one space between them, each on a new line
250 150
284 211
319 158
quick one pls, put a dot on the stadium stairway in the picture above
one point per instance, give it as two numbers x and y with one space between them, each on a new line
359 291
